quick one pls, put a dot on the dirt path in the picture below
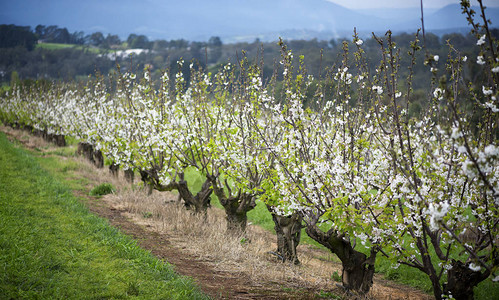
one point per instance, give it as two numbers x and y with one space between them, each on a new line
312 280
217 284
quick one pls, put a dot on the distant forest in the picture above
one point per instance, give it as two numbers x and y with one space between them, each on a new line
53 53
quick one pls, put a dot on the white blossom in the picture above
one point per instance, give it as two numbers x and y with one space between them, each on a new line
474 267
438 93
479 60
491 150
481 41
436 213
456 133
378 89
486 91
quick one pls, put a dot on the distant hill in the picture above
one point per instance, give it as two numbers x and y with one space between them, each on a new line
451 17
232 20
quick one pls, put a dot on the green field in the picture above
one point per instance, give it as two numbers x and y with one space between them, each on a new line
57 46
51 247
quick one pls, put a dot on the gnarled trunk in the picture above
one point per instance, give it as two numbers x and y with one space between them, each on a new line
28 128
88 151
236 207
288 231
357 274
236 210
37 132
461 280
236 221
201 201
358 269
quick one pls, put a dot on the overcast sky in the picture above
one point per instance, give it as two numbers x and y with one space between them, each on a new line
362 4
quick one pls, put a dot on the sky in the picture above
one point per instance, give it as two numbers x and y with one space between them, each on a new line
365 4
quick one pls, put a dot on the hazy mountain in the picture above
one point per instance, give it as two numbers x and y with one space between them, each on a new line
230 19
451 17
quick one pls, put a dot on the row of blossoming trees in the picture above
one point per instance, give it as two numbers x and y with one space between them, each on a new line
363 177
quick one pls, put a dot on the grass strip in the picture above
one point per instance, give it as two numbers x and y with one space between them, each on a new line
51 247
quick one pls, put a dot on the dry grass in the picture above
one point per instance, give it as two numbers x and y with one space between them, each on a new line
205 236
25 138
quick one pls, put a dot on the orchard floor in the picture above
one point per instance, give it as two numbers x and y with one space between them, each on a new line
311 280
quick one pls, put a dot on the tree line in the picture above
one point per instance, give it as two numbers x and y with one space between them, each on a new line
95 54
32 62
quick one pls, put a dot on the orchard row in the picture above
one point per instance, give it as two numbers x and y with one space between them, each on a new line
363 176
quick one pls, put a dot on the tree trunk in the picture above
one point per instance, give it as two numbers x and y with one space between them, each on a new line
288 231
129 175
28 128
461 280
358 269
98 159
145 177
201 201
236 222
37 132
57 139
114 169
236 209
86 150
60 140
357 274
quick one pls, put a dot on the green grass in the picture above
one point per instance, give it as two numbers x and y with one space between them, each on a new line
63 170
67 151
51 247
54 46
57 46
102 189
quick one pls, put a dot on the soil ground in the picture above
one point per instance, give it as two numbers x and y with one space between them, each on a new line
312 280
